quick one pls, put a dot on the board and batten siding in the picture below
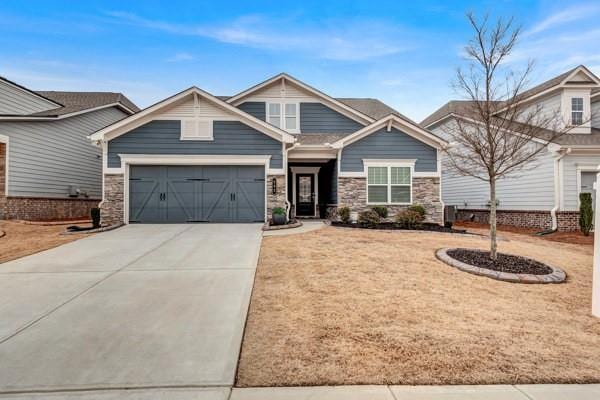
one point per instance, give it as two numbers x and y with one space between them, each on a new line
389 145
532 189
17 101
314 117
47 157
163 137
570 178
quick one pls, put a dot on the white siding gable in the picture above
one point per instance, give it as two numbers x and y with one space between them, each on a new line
280 90
199 108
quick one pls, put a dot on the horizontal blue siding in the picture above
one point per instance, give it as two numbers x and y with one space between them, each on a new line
389 145
318 118
255 108
163 137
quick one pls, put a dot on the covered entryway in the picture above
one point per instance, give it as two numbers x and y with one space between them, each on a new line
193 193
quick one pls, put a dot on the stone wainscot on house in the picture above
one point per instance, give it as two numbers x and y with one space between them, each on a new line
48 168
195 157
547 195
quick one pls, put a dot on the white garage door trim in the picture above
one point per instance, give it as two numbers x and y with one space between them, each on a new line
186 159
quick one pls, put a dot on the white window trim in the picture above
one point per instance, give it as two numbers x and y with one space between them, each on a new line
208 137
389 164
282 114
580 112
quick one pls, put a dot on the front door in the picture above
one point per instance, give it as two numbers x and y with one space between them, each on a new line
305 195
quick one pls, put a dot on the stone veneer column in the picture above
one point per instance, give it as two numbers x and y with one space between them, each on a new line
352 193
277 199
111 208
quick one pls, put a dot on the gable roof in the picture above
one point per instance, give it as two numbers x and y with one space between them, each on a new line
65 104
392 120
464 107
123 126
337 104
79 101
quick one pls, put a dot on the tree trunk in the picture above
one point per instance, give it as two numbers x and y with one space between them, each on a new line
493 241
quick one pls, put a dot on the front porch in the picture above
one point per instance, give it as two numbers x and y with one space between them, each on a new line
312 188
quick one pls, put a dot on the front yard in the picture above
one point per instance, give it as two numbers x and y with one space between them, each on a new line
345 306
22 239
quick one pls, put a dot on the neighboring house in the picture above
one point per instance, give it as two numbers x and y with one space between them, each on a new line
545 196
195 157
48 168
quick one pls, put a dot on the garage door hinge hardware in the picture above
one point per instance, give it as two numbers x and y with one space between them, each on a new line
198 179
259 179
135 179
232 196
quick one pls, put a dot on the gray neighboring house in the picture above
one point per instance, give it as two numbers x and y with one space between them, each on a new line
546 196
48 168
195 157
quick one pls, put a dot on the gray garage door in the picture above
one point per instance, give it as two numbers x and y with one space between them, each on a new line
159 194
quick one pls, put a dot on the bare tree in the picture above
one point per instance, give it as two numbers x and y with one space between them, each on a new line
497 134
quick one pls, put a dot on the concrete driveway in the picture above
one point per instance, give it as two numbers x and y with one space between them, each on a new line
160 308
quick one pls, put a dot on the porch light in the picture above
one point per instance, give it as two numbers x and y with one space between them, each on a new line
274 186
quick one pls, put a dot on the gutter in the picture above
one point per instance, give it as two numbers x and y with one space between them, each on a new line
557 186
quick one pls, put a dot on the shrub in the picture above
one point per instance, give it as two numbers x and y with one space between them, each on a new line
95 214
381 210
369 217
418 208
344 214
278 211
586 213
409 218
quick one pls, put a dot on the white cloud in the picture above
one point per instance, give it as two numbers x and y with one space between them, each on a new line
563 17
181 56
336 40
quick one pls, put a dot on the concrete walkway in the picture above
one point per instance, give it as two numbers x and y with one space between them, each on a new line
307 226
156 307
491 392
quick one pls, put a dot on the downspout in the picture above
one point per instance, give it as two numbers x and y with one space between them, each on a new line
557 187
288 205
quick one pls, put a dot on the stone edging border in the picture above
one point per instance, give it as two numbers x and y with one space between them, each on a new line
557 275
2 233
267 227
101 229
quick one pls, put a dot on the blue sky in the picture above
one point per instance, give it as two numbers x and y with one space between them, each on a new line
402 52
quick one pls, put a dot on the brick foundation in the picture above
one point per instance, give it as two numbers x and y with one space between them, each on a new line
568 221
44 208
352 193
111 209
277 199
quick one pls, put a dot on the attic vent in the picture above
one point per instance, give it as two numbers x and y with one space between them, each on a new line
196 129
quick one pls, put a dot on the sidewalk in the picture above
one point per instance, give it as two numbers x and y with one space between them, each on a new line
489 392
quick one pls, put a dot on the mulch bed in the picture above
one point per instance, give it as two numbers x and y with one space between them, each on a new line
394 226
504 263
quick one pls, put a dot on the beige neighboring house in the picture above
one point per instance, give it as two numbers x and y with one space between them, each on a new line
546 196
48 167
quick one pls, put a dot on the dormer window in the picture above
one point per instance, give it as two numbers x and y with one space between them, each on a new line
284 116
577 110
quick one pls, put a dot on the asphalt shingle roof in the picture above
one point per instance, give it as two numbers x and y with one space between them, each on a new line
80 101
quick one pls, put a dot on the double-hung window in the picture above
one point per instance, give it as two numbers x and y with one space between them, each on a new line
284 116
389 184
577 110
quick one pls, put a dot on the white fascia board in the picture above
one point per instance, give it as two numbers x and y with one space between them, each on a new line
561 85
146 115
410 129
387 163
345 109
193 159
59 117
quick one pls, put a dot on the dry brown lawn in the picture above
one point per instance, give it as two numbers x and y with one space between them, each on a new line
22 239
348 306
